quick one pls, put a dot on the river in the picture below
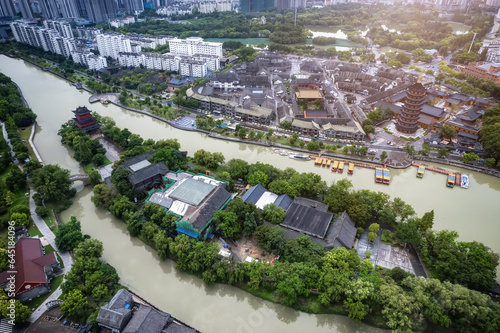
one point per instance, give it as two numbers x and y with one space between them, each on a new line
471 212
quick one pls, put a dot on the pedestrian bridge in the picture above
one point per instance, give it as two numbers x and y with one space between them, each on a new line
84 178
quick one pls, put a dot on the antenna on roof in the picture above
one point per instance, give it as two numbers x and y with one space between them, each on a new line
420 78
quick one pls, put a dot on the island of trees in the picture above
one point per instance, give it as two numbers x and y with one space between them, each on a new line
305 277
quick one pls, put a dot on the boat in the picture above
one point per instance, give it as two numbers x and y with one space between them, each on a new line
458 178
341 167
324 162
328 163
335 166
317 161
350 171
451 180
421 171
464 183
300 157
378 175
387 176
284 153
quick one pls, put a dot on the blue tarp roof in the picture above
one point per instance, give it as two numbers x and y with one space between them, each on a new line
187 232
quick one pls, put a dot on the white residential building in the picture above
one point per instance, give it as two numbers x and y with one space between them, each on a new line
193 68
110 45
194 45
130 59
89 59
121 22
64 28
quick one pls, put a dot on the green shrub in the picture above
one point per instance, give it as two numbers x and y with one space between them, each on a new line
41 211
360 231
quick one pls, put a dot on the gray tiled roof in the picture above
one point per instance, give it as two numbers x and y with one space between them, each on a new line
178 328
307 219
253 194
283 201
137 159
199 217
114 314
342 232
147 320
148 172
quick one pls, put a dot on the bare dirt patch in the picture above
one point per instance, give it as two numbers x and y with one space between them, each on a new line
248 247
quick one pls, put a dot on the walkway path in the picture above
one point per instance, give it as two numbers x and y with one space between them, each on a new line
51 238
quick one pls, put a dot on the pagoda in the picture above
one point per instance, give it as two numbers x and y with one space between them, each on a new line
84 120
415 98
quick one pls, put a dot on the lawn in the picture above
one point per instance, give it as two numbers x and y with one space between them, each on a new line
25 133
54 284
33 231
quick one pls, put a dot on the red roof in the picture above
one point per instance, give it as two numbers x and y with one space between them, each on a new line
30 263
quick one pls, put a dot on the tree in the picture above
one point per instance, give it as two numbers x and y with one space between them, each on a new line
443 152
98 160
337 196
409 231
489 162
372 236
374 227
94 177
383 156
228 223
426 222
410 150
89 248
258 177
446 131
22 312
75 305
426 149
271 239
470 157
121 204
273 213
51 182
363 150
103 196
69 235
238 168
19 219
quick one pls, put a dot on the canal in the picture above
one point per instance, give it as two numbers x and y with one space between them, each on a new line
471 212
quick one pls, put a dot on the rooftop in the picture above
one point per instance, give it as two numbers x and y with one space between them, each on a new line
192 191
342 232
308 94
307 219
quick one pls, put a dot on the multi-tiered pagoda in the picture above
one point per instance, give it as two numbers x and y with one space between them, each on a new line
408 119
84 120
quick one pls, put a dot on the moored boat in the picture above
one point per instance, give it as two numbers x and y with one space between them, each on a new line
300 157
464 181
387 176
341 167
335 166
421 171
451 180
378 175
350 171
458 178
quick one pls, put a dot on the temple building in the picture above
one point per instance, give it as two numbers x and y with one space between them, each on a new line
84 120
415 98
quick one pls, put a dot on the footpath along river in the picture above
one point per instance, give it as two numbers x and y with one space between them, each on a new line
471 212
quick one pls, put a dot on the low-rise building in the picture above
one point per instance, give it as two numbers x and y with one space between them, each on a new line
483 70
33 270
143 174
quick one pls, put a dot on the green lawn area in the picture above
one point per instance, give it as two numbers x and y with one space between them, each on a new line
25 133
33 231
49 249
54 284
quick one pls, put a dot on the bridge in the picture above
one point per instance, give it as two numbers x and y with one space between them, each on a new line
84 178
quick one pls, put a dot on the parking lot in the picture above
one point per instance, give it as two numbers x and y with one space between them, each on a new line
187 122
